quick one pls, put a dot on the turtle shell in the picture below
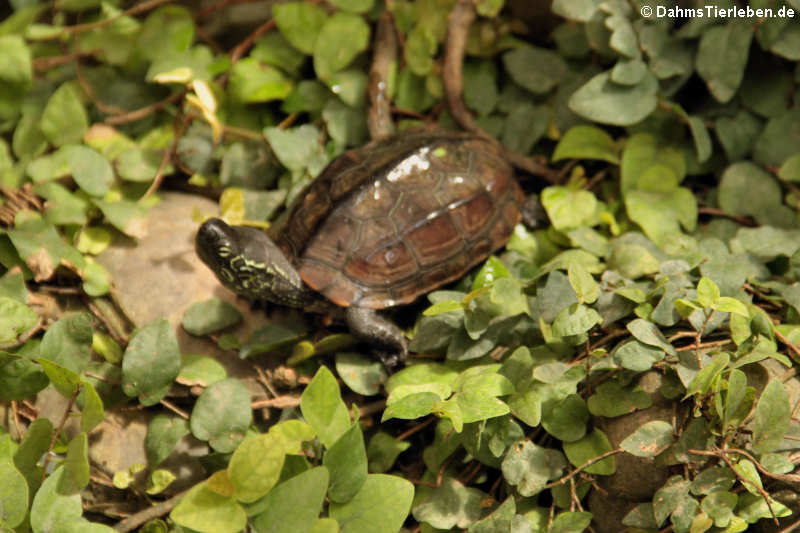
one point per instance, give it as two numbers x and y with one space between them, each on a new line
396 218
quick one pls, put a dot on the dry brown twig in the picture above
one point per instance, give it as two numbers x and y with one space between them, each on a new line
379 115
459 22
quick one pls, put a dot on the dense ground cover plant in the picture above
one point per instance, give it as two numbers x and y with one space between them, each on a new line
662 290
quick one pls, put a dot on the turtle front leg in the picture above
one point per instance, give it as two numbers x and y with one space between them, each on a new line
378 331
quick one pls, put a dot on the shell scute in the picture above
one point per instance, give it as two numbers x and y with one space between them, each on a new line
397 218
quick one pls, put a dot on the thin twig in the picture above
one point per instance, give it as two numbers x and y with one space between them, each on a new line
242 48
459 22
789 344
584 466
149 513
46 63
379 116
786 478
175 409
715 211
285 401
142 112
135 10
22 339
416 428
722 455
165 159
58 430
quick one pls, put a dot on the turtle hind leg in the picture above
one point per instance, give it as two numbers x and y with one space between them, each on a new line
389 343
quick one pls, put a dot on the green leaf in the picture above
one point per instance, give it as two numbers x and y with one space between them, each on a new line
583 283
703 380
51 509
648 164
717 478
773 413
731 305
15 319
35 444
128 217
274 49
68 342
722 57
648 333
381 505
294 147
571 522
574 320
20 378
412 406
93 411
323 408
660 213
790 169
419 50
670 497
252 81
76 466
150 363
382 451
586 142
604 101
719 507
202 509
568 208
778 140
362 374
592 445
346 460
294 504
477 405
737 134
637 356
64 120
579 10
163 433
501 519
536 69
354 6
222 415
13 495
138 165
566 419
90 170
209 316
64 380
707 292
342 37
166 31
746 189
200 370
649 440
255 466
480 86
529 467
449 505
611 399
16 66
300 23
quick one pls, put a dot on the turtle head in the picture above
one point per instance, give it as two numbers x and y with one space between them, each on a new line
247 262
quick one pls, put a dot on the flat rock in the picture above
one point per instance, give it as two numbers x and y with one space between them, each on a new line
161 276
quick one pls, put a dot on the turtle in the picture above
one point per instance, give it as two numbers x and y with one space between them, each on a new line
382 225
